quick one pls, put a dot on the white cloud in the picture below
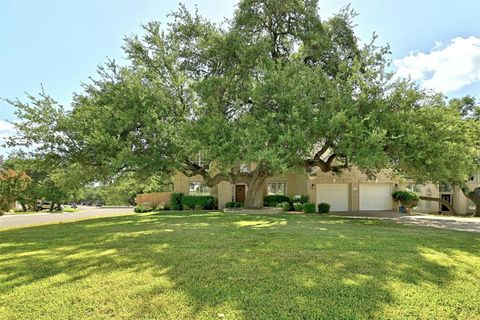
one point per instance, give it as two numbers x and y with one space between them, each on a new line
445 68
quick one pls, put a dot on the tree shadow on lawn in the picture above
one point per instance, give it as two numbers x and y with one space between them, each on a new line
250 266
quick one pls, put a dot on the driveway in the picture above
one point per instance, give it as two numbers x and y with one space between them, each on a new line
22 220
417 219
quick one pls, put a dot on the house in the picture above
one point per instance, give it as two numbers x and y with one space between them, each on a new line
351 191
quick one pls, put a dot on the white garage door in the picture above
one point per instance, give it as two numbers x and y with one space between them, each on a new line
335 194
375 196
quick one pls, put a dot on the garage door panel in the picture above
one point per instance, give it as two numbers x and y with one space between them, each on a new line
375 197
335 194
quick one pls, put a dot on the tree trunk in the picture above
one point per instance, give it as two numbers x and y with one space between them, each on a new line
256 188
475 197
445 203
52 206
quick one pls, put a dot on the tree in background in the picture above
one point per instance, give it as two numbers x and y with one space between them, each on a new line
12 183
48 182
274 86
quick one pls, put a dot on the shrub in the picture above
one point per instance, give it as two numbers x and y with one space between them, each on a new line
300 198
284 205
323 207
273 200
142 208
406 198
199 202
297 206
239 204
309 207
176 201
166 206
233 204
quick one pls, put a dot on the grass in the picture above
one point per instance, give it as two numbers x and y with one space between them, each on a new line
215 265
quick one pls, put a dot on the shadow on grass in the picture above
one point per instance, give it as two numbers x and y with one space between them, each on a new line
252 266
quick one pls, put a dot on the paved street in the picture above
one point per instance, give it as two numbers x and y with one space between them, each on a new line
452 223
22 220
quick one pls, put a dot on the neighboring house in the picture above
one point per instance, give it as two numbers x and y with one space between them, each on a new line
351 191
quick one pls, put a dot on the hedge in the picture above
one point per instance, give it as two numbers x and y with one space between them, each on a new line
406 198
274 200
195 202
233 204
176 201
323 207
309 207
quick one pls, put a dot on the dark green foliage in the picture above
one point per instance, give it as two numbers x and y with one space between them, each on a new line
176 201
201 202
143 208
309 207
406 198
297 206
300 198
273 200
323 207
234 204
286 206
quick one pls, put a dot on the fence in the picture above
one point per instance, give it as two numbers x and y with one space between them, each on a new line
155 198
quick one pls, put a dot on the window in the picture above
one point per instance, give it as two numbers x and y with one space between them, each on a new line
199 159
199 189
445 187
277 188
413 188
475 178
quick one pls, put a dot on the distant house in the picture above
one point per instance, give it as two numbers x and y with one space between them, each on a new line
351 191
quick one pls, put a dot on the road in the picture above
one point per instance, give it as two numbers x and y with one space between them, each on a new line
451 223
23 220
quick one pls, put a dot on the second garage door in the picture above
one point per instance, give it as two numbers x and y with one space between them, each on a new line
335 194
375 196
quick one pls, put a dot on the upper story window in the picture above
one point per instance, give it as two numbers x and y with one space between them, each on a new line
277 188
445 187
243 168
413 188
199 159
198 189
475 178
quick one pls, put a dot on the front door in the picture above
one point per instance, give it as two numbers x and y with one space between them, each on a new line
240 193
448 198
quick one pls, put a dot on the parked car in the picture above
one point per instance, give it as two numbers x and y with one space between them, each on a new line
44 206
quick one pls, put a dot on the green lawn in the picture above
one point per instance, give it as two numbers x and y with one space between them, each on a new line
210 265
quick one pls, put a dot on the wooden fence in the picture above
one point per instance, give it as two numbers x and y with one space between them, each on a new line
154 198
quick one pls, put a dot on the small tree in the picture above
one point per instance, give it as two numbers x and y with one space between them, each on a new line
12 183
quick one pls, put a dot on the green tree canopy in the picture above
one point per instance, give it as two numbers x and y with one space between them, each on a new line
275 86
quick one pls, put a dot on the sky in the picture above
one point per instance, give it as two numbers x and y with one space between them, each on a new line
60 43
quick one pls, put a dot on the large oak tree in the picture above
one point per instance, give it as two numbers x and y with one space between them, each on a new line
275 85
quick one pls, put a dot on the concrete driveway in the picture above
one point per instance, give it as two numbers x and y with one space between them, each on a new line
23 220
452 223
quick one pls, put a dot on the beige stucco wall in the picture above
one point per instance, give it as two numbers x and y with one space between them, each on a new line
298 183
